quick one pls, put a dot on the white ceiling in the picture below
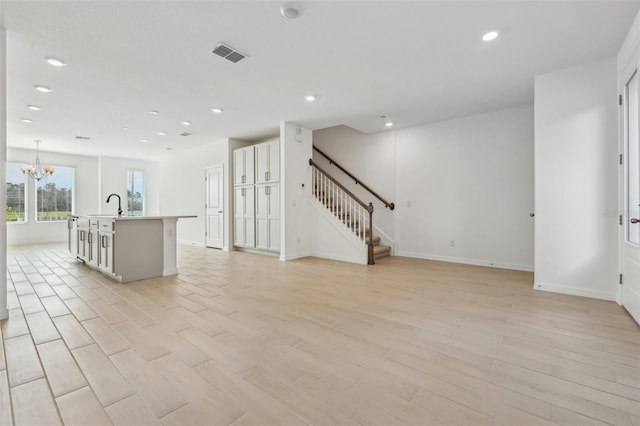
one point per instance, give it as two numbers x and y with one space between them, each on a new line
416 62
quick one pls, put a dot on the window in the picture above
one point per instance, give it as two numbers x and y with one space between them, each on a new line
135 192
16 193
54 195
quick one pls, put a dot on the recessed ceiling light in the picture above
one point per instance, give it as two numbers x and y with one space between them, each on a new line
168 148
125 128
34 107
492 35
185 123
56 62
388 124
144 140
26 120
290 11
162 133
154 112
310 98
217 110
43 89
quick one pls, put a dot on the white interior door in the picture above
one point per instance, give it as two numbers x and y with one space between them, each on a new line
214 205
630 240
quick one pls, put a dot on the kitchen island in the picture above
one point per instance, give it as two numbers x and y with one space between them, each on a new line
126 248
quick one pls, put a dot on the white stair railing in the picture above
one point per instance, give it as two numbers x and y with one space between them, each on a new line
353 212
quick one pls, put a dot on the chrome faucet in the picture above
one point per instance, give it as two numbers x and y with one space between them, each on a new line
119 205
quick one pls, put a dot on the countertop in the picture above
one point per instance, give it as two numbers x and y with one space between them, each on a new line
119 218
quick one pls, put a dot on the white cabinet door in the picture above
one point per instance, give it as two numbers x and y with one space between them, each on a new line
92 246
268 162
268 217
243 167
244 217
106 244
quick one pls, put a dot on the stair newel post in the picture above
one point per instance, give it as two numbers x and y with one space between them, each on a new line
370 260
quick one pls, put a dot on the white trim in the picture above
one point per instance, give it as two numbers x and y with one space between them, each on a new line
575 291
4 314
191 243
476 262
331 256
169 271
295 256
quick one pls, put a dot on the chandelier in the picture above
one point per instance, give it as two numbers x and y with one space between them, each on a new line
37 171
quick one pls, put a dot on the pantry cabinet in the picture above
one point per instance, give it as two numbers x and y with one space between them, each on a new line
257 196
268 217
244 216
268 162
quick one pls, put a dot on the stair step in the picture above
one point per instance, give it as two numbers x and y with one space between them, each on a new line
381 251
376 240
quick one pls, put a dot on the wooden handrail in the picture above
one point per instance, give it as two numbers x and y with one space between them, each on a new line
386 203
369 206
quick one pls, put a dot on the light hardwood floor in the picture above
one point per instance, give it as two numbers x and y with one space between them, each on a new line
245 339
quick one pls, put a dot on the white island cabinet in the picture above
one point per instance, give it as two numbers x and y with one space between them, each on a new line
126 248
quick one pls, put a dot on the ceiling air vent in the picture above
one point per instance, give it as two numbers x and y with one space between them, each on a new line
185 134
82 138
228 52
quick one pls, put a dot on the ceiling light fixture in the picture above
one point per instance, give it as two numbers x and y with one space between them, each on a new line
388 124
185 123
144 140
217 110
37 171
491 35
26 120
126 128
56 62
43 89
154 112
162 133
34 107
309 98
290 11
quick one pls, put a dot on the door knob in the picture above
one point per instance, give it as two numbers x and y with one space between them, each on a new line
634 220
219 211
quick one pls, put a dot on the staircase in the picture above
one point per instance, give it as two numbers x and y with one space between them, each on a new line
354 214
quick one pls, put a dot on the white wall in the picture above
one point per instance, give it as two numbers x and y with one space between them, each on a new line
182 188
468 181
95 179
85 200
577 181
113 180
370 158
295 187
465 189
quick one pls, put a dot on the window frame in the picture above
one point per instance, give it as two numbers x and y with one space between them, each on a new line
36 209
144 195
26 195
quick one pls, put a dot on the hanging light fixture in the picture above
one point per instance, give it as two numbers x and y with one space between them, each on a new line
37 171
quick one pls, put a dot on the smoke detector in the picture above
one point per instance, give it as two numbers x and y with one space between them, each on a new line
229 53
290 10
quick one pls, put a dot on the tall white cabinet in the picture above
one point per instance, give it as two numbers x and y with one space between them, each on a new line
257 196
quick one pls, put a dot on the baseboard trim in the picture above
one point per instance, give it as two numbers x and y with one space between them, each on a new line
294 256
191 243
574 291
332 256
465 261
